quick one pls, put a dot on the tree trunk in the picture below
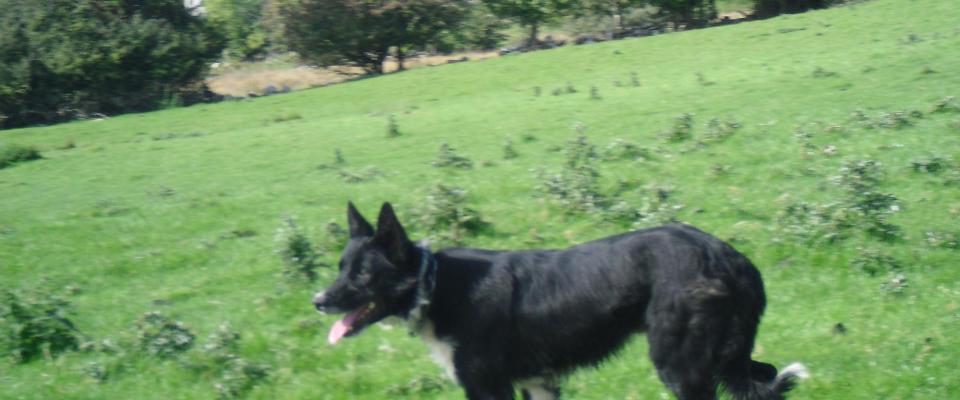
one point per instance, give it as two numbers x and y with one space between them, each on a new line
534 30
400 57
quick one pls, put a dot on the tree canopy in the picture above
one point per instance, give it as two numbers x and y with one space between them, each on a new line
363 32
62 59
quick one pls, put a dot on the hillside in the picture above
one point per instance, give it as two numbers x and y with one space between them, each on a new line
177 211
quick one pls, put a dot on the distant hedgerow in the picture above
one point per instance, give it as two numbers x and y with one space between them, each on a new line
35 322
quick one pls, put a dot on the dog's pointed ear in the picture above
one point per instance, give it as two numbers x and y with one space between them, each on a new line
359 227
392 236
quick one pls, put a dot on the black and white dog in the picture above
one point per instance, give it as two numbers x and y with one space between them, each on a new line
503 319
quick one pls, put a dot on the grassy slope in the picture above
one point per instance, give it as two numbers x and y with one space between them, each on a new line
130 219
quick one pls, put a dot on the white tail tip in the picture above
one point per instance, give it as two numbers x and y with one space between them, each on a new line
796 369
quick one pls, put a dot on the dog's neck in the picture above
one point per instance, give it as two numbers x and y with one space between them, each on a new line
426 282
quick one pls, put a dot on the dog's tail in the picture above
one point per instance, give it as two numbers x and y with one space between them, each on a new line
760 381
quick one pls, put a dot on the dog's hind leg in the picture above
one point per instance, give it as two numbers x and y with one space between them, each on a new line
684 346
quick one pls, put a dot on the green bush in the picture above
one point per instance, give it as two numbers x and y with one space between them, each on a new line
160 336
66 59
300 257
35 322
12 153
445 215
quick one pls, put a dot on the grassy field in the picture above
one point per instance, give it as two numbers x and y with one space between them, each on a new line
177 211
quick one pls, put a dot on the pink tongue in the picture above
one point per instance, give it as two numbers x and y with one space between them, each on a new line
341 327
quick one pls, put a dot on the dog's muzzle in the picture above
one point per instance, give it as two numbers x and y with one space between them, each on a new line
318 301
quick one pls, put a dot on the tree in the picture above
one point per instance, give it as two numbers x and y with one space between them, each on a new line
240 23
687 13
772 8
615 9
362 32
71 58
531 13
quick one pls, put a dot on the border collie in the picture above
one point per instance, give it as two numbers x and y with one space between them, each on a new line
500 320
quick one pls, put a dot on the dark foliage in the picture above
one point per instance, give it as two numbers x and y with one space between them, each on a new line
363 32
11 154
34 323
61 59
772 8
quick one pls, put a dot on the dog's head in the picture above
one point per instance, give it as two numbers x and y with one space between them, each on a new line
378 274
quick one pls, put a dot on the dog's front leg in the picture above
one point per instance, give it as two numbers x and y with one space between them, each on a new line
488 390
482 380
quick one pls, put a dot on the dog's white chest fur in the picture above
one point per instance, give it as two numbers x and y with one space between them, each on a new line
441 350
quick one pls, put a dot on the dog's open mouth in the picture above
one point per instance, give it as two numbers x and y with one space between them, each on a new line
354 322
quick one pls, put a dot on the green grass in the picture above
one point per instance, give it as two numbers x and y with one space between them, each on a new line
138 214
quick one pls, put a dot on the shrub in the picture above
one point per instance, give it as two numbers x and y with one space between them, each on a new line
873 261
508 151
931 164
682 128
620 149
365 174
448 157
862 179
719 130
35 322
158 335
812 223
11 154
237 374
300 258
576 185
444 213
393 128
946 104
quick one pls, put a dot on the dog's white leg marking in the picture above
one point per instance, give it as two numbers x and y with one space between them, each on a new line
441 350
539 393
537 389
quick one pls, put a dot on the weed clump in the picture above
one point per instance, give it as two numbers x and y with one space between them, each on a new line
682 128
444 211
933 164
393 129
862 179
621 149
364 174
509 152
448 157
812 223
873 261
300 258
160 336
719 130
945 105
11 154
237 375
35 322
576 185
